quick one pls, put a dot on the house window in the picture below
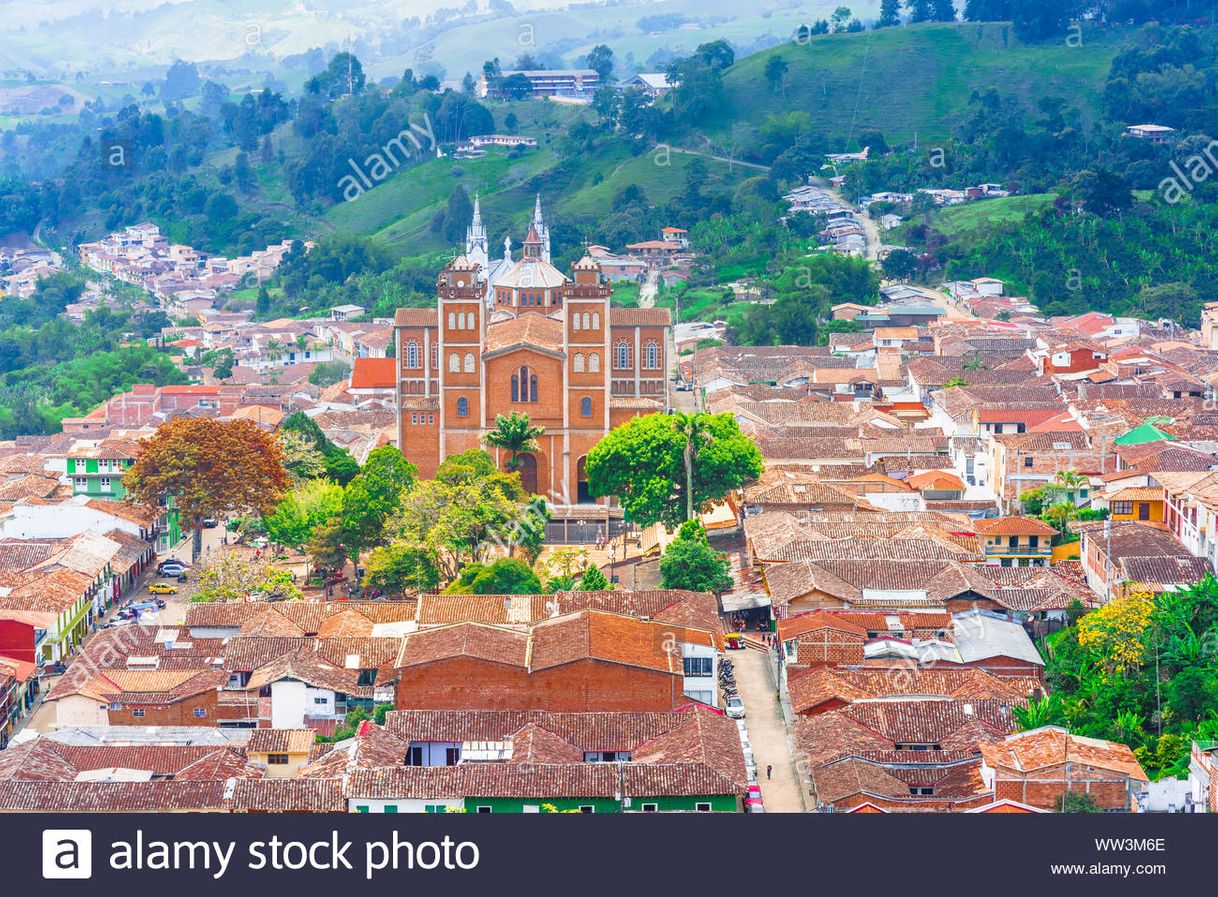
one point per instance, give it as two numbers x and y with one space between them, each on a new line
461 321
651 808
361 808
412 354
702 807
587 808
105 484
276 759
594 362
200 712
596 320
138 714
575 322
116 706
414 418
578 363
391 808
698 666
469 362
922 792
483 809
621 358
1122 507
320 700
454 363
452 756
452 321
463 407
82 482
1027 462
653 356
435 357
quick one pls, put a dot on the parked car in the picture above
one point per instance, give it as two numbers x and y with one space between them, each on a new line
171 562
171 569
210 523
752 800
162 588
735 708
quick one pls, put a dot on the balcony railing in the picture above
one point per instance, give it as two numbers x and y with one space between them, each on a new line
1024 550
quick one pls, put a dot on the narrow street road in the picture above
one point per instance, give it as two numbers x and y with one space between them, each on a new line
767 733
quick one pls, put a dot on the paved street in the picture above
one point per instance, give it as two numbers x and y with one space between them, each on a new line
767 733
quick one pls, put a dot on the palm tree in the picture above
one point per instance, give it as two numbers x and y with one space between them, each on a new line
1068 481
693 428
1045 712
514 434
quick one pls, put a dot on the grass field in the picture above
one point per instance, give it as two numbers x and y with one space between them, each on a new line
1004 210
913 80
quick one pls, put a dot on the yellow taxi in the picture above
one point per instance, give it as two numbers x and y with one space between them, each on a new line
162 588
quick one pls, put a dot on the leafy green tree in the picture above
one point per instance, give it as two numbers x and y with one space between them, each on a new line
900 264
469 513
593 580
372 498
665 468
399 567
302 511
776 73
339 465
506 576
600 60
326 546
691 563
890 13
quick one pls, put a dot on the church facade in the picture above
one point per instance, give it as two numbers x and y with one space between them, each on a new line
516 334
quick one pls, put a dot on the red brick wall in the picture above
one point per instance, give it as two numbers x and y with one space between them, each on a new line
588 685
179 713
1045 787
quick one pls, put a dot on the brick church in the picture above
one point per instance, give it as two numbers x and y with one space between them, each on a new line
516 334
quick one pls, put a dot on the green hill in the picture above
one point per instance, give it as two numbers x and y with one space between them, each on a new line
913 80
400 210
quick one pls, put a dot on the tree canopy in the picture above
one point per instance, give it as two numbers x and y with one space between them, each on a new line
642 464
210 468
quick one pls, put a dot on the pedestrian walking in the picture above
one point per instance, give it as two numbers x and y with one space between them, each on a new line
768 771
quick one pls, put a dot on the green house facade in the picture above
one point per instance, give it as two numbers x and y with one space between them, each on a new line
102 477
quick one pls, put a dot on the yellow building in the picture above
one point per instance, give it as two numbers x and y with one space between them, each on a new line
281 751
1144 503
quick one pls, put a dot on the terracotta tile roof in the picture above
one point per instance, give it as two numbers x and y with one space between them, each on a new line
374 373
1026 752
818 685
484 642
936 480
415 317
289 795
1014 526
529 329
144 515
280 741
639 317
111 797
542 781
602 731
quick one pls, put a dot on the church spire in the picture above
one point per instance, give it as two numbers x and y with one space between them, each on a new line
542 231
476 249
